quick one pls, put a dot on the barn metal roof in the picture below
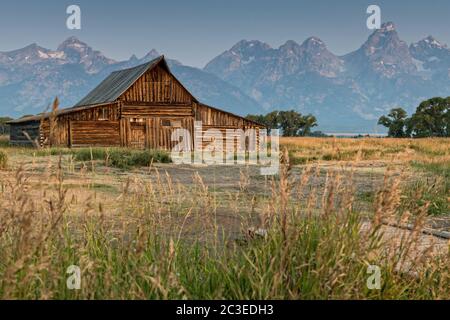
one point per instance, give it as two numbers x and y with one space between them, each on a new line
110 89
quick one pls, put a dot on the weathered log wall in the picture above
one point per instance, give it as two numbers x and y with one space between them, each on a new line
57 131
18 133
94 133
224 130
138 126
153 132
161 110
214 117
157 86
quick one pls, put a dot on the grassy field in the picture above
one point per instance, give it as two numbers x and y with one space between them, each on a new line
140 227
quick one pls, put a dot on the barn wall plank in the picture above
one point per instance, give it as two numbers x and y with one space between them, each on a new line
95 133
157 86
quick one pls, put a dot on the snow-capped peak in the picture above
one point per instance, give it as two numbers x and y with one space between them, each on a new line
73 43
431 41
387 27
314 40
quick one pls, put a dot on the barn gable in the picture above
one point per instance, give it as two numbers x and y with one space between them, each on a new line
151 82
157 85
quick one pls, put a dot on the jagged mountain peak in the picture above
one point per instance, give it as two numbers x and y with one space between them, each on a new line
314 41
431 55
315 45
388 27
245 54
290 48
32 46
152 54
430 42
311 56
77 51
383 54
29 55
72 42
310 45
250 44
382 38
290 43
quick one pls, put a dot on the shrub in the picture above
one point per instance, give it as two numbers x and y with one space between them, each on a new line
123 158
88 154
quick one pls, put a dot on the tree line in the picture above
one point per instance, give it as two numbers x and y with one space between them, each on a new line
290 123
431 119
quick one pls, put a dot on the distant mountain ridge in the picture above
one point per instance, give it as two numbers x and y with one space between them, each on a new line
346 93
31 77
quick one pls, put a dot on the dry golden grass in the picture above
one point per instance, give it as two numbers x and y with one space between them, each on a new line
374 149
176 232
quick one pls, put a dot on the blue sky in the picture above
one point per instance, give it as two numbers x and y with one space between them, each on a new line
195 31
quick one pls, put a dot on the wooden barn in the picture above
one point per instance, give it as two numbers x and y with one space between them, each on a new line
137 107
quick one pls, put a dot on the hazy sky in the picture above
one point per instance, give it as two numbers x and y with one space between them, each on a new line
195 31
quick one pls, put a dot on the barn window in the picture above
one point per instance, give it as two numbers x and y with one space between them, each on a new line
171 123
165 123
103 114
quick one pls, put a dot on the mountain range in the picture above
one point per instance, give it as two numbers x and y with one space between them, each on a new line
346 93
31 77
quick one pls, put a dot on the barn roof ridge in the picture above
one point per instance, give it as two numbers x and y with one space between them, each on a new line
118 82
140 65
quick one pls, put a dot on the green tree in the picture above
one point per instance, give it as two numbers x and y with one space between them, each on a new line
291 123
396 122
270 120
294 124
432 119
309 122
257 118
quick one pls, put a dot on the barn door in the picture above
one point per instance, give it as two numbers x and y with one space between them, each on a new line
137 139
152 131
